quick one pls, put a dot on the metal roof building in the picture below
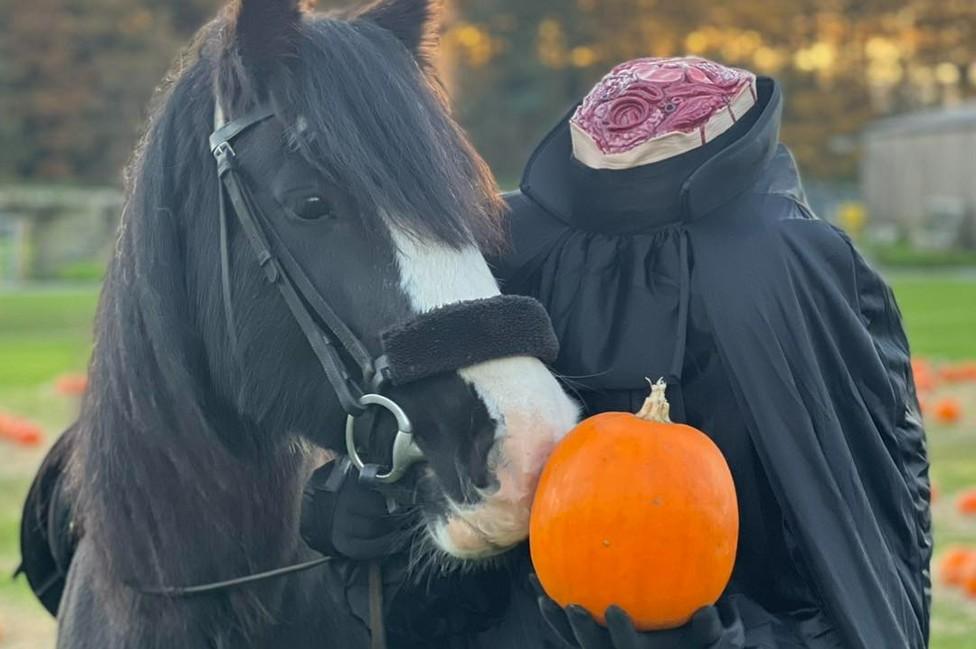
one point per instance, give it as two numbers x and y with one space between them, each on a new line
919 165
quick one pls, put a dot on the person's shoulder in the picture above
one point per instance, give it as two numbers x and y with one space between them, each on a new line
515 197
769 237
523 207
531 232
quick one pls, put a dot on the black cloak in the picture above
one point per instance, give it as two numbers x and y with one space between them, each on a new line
776 338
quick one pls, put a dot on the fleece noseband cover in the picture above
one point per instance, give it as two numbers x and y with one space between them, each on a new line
460 335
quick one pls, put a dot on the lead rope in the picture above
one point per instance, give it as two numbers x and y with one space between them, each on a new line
377 628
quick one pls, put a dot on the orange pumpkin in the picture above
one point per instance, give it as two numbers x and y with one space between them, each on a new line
948 411
924 382
968 576
969 371
958 373
20 431
953 563
966 502
920 365
639 512
71 385
925 377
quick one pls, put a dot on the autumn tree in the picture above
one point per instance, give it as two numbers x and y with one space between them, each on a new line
76 75
74 82
842 62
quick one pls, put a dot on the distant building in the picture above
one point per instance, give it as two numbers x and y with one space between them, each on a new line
919 175
55 232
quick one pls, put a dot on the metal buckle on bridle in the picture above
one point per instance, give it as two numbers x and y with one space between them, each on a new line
406 453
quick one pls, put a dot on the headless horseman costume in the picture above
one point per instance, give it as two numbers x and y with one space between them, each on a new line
778 341
703 265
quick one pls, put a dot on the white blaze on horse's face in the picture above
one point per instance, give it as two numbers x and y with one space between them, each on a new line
531 409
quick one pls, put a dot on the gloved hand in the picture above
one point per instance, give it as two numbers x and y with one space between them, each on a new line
577 628
343 518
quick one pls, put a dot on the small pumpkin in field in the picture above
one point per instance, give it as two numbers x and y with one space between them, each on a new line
636 511
948 411
925 377
953 563
968 371
20 431
958 372
923 406
925 382
966 502
968 581
71 385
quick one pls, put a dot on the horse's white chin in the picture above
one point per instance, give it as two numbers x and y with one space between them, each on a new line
459 541
480 532
533 414
500 520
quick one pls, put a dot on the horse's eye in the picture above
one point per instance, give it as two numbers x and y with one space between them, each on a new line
313 208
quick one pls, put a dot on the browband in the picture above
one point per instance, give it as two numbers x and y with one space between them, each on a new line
460 335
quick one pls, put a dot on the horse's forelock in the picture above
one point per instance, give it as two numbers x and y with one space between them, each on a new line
374 122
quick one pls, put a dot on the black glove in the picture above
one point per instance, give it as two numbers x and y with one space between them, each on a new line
343 518
577 628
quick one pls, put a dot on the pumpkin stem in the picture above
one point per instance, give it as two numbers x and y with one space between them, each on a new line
656 407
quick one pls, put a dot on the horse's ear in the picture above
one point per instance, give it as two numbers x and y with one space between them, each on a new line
416 23
262 31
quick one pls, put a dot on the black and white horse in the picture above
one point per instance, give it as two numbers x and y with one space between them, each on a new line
191 452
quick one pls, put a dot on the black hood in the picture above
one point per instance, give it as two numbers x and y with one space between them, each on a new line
681 188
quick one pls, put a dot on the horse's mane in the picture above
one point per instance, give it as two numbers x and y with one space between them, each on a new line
174 488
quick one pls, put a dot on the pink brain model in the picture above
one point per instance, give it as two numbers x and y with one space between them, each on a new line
647 100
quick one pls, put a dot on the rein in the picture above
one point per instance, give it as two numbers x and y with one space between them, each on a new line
228 584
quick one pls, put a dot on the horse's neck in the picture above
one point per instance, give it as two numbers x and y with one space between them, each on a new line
245 520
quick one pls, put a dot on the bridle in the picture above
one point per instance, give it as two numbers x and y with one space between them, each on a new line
500 327
283 271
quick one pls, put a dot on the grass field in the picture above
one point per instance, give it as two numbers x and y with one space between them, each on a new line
44 333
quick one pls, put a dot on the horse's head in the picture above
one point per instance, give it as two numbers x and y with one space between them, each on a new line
362 179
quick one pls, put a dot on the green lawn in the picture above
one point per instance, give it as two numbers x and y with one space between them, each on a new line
44 333
940 315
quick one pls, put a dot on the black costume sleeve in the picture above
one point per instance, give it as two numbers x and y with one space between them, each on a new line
819 365
47 536
532 236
